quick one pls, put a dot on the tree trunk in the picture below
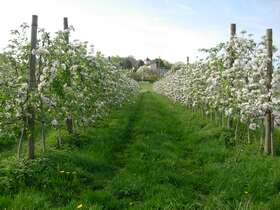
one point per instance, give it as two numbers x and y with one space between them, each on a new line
236 131
43 136
248 135
69 124
262 133
22 131
229 122
272 139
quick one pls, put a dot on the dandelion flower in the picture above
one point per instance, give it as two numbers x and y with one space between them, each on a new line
79 206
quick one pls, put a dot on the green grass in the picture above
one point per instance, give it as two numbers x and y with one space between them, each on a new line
151 154
146 87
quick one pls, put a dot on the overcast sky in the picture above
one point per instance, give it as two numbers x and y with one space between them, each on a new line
170 29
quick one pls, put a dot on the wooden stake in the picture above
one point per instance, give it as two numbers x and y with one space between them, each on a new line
66 27
268 115
232 55
232 30
32 88
69 120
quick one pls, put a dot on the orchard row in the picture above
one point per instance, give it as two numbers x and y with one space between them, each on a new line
235 81
52 82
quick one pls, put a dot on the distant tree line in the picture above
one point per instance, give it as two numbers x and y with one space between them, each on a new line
131 63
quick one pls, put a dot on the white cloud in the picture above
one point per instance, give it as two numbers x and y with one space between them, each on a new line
112 32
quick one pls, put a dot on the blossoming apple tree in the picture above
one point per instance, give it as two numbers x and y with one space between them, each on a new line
233 82
70 80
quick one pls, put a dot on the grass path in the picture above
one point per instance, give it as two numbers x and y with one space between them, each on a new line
151 154
154 174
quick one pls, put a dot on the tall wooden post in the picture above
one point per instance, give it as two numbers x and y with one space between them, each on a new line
188 62
69 120
66 27
231 53
31 89
66 35
268 115
232 35
232 30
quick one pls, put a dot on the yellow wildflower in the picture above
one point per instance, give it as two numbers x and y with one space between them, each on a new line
79 206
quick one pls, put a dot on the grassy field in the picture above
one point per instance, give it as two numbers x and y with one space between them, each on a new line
150 154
